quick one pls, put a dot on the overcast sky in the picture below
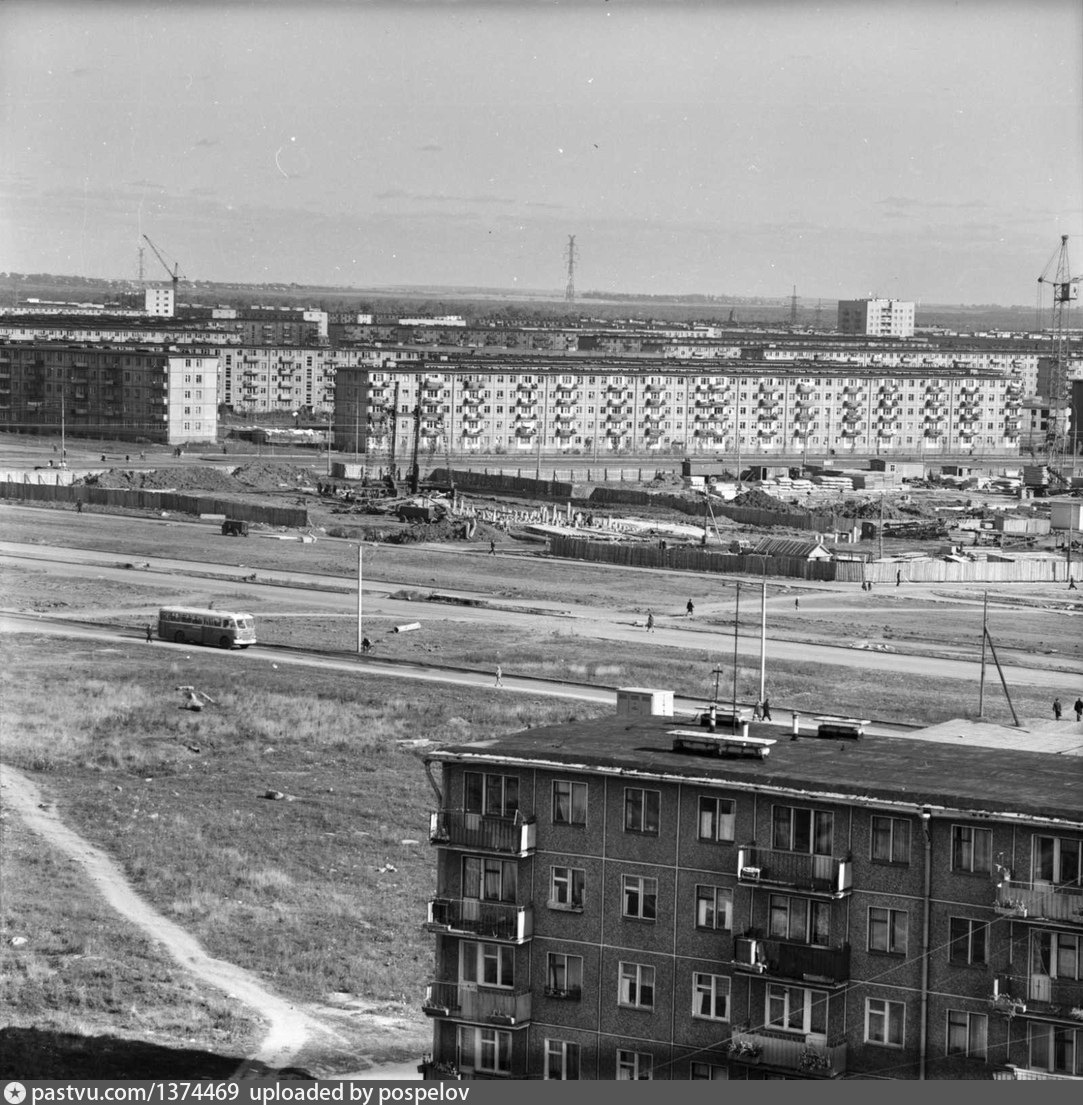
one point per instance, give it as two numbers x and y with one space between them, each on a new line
928 151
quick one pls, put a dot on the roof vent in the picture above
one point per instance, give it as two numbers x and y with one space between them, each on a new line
721 744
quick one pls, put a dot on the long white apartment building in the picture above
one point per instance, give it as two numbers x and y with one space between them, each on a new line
612 408
876 317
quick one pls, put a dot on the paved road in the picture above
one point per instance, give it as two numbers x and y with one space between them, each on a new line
299 592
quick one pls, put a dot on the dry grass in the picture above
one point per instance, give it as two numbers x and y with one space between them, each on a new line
291 889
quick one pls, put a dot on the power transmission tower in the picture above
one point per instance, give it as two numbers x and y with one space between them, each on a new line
570 255
793 307
141 276
819 312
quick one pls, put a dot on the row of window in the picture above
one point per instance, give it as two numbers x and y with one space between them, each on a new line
1054 1049
793 829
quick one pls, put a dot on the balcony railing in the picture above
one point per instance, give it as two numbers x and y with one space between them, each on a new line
795 870
486 1005
472 917
808 1056
1022 1074
1041 902
462 829
791 960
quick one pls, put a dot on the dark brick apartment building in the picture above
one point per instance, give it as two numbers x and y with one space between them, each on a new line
886 907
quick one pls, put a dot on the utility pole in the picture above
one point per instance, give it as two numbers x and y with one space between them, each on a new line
763 634
360 635
736 622
984 635
880 531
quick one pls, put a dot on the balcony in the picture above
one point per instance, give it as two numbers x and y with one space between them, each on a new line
810 1056
511 836
1022 1074
1040 902
787 959
482 1005
827 875
472 917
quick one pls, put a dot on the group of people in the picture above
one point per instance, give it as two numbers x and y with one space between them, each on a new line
1058 708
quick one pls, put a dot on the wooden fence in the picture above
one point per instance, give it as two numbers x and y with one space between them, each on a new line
293 517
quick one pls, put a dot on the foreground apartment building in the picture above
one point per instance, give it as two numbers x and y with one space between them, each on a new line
888 907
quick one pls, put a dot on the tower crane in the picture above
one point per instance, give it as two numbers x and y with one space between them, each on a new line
174 272
1065 292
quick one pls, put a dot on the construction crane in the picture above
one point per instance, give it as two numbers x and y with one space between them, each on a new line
174 272
1065 292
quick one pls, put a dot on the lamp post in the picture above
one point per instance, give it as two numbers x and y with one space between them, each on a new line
763 623
736 623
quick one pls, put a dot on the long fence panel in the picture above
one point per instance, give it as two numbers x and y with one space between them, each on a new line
268 514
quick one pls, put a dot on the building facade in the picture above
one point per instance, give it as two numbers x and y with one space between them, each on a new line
522 406
876 317
167 395
609 908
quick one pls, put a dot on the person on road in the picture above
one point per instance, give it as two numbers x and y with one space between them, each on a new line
366 644
1057 709
690 609
492 547
149 632
499 676
650 622
797 604
898 579
767 709
1071 584
78 506
1078 707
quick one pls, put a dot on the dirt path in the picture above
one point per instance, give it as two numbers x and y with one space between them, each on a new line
289 1029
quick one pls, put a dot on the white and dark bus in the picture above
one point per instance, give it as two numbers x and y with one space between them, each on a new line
224 628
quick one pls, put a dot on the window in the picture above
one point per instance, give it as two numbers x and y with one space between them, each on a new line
971 849
711 997
561 1060
1056 954
1057 860
885 1022
799 919
566 887
888 930
714 906
636 986
633 1066
493 795
569 803
708 1072
491 880
789 1008
967 1033
967 940
484 1049
639 897
1055 1049
487 964
641 810
716 818
890 840
797 830
564 976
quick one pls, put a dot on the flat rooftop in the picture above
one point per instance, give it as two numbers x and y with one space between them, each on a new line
944 767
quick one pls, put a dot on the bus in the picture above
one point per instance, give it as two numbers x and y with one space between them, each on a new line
224 628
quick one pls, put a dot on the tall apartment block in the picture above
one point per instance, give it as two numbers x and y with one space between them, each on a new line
159 394
880 318
610 907
512 406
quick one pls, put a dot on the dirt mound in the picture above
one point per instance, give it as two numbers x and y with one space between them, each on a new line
265 476
165 479
760 500
867 508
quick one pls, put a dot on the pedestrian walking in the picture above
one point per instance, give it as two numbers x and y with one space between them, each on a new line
1078 707
767 710
1057 708
797 604
492 547
150 633
499 676
898 579
78 506
690 609
757 712
366 644
650 622
1071 584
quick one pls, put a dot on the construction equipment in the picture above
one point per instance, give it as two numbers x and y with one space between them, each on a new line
1065 292
174 272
